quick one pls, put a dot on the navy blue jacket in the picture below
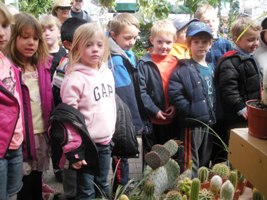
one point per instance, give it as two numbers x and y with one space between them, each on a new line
188 95
151 87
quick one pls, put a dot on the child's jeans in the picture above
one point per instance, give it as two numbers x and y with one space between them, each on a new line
11 173
86 188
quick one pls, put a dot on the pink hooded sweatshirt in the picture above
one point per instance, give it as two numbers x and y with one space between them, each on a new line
92 92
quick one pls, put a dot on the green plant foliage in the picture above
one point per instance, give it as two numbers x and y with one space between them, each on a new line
35 7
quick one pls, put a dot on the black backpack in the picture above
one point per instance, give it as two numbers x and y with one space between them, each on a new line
124 141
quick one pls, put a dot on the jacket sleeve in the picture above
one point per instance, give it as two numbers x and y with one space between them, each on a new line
178 95
228 77
149 105
74 149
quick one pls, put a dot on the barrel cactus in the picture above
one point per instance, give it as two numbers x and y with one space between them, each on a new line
215 184
123 197
233 177
148 192
257 195
173 195
221 169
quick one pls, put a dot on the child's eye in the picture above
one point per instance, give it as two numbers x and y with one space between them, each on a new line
5 25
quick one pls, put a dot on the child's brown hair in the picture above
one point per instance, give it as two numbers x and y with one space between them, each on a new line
118 23
22 21
241 26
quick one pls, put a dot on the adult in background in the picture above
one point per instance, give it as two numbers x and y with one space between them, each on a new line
76 10
61 10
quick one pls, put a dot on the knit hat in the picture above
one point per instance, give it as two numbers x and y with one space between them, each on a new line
60 3
180 23
198 27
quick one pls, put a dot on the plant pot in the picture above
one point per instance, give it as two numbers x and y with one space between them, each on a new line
236 195
205 185
241 186
257 119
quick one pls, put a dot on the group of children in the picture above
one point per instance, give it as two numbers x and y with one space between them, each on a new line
169 96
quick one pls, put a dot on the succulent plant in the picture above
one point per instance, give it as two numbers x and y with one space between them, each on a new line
233 177
171 146
256 195
195 187
153 160
173 195
215 184
184 186
163 153
203 174
148 192
227 191
221 169
205 194
123 197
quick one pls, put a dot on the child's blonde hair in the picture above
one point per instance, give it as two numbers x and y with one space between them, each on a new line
163 27
202 9
8 17
24 21
49 21
120 21
243 24
82 36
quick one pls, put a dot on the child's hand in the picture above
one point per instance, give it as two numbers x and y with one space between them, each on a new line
170 112
161 115
79 164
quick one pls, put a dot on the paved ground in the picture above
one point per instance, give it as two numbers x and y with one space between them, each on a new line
135 173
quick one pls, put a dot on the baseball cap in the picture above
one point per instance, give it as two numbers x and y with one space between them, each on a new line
264 23
181 23
60 3
198 27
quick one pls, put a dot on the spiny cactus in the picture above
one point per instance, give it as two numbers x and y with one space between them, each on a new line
171 146
227 191
257 195
173 195
163 153
221 169
153 159
184 186
195 187
203 174
233 177
215 184
148 192
163 177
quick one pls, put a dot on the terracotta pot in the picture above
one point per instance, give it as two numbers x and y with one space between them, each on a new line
257 120
236 195
205 185
241 186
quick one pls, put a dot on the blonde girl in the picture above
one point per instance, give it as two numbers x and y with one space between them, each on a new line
29 52
89 88
11 116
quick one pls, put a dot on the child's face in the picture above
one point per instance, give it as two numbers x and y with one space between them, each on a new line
93 53
162 44
127 37
200 46
249 42
51 35
27 43
4 32
181 36
212 20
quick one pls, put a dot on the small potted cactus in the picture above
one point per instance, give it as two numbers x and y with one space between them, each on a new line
203 175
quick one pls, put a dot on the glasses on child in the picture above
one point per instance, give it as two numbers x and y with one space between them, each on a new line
63 8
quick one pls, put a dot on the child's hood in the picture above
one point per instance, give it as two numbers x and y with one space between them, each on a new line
79 67
116 49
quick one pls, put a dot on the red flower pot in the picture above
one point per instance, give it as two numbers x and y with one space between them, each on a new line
257 119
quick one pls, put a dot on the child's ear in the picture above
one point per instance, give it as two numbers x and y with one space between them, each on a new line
112 35
151 40
66 44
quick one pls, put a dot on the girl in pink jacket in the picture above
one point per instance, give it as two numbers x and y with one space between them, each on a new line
11 116
89 87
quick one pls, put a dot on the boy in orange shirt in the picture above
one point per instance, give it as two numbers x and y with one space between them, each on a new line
155 69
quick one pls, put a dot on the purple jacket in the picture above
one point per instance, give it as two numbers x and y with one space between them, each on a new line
46 104
9 114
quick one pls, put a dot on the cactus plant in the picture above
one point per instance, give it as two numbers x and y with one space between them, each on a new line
153 160
184 197
171 146
173 195
148 192
227 191
203 174
195 187
221 169
256 195
184 185
124 197
215 184
163 153
233 177
205 194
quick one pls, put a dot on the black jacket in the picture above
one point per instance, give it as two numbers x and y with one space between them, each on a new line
239 80
188 96
65 114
